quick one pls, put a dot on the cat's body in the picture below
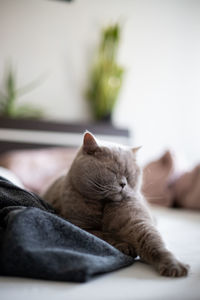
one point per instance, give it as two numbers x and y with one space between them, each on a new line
101 194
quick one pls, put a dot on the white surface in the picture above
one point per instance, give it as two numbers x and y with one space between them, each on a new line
160 51
181 231
10 176
55 138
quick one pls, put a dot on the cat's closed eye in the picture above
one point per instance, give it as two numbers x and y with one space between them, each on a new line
111 170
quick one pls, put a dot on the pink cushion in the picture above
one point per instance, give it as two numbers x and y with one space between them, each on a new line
38 168
157 176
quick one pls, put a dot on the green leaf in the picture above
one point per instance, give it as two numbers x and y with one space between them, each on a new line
9 97
27 110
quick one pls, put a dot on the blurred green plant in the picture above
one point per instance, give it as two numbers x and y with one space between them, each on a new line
11 94
106 75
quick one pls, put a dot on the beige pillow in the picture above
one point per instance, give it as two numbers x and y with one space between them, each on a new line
186 189
157 177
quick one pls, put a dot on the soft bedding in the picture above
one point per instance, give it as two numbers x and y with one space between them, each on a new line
36 243
181 232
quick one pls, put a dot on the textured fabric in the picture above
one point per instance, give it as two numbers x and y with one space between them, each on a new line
34 242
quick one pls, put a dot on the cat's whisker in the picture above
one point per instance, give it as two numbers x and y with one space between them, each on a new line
108 187
103 192
96 184
99 189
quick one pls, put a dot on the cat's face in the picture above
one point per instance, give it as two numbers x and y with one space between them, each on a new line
100 172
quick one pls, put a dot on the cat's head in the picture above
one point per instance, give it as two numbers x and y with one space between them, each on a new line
105 172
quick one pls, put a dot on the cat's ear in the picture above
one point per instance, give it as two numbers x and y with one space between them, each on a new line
167 159
136 149
89 143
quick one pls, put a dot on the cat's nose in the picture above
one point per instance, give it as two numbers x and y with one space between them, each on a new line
122 183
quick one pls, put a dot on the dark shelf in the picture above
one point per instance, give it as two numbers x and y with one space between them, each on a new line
18 134
55 126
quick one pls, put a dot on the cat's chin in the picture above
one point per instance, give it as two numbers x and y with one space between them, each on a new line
122 196
118 198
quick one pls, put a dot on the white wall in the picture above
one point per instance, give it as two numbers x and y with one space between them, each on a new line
160 99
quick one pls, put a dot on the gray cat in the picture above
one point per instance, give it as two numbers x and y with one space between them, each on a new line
101 194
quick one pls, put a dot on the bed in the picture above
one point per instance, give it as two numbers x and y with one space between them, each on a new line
180 229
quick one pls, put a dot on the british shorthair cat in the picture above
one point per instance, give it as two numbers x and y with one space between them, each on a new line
101 193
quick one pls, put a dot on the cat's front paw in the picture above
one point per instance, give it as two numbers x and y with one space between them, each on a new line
173 268
126 249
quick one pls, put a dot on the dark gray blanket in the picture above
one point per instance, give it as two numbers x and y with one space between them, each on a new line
36 243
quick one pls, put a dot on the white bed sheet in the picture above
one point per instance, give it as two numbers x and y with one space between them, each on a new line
181 232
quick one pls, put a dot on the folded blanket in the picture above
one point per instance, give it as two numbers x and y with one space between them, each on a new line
36 243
